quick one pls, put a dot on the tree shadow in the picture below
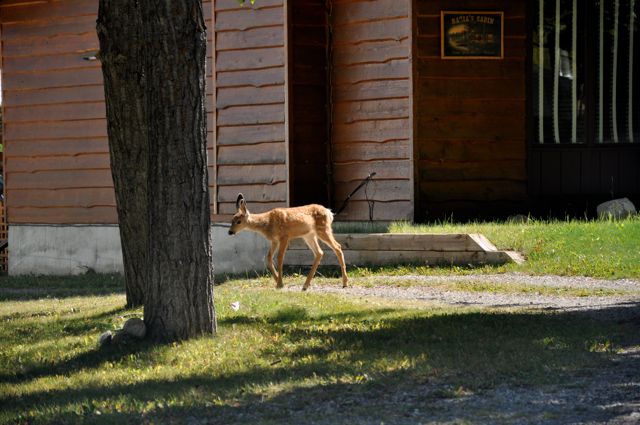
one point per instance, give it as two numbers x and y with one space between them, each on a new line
25 288
486 353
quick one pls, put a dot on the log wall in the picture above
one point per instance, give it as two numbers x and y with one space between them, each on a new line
56 151
251 149
372 119
471 133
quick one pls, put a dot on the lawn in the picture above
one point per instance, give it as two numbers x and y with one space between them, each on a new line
288 356
277 356
598 248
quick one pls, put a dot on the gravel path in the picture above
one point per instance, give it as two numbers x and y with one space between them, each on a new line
429 288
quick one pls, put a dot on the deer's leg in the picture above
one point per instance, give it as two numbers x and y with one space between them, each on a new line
326 236
269 260
312 243
282 248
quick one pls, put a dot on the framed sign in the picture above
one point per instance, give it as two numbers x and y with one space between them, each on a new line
471 35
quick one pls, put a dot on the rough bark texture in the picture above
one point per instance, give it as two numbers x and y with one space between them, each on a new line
153 56
122 51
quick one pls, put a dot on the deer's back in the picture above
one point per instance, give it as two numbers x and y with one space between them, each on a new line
299 221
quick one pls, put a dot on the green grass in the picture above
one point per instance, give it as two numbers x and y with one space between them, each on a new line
277 357
597 248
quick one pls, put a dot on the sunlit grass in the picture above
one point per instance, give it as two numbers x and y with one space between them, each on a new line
280 351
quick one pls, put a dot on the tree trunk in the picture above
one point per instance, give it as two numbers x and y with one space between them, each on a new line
153 56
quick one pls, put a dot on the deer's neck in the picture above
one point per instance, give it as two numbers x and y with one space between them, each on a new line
259 223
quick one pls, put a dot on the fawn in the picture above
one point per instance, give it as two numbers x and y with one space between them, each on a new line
280 225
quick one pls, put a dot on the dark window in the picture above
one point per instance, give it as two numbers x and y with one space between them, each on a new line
585 57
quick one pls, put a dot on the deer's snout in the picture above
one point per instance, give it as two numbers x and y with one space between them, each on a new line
231 232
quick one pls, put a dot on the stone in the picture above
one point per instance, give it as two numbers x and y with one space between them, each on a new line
105 339
518 218
135 327
616 209
120 337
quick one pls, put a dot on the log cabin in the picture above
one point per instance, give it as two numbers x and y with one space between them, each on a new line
463 109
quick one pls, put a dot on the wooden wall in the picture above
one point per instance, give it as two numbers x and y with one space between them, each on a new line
56 151
308 124
471 133
372 106
251 105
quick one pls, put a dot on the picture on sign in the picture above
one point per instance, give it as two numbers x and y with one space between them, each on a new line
471 35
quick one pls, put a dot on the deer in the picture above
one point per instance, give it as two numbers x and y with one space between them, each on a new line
280 225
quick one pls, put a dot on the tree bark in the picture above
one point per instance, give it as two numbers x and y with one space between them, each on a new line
153 58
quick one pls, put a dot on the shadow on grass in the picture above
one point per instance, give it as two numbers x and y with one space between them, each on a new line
479 351
23 288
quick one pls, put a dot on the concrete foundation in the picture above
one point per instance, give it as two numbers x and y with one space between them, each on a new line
71 250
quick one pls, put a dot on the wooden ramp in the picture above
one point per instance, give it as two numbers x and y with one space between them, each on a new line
378 249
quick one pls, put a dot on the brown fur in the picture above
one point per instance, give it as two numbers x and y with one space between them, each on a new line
280 225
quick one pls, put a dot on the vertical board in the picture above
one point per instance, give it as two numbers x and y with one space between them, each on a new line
250 152
372 108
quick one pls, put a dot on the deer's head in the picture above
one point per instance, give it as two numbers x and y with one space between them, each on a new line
239 220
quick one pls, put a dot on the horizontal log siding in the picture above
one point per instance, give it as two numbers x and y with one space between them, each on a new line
470 142
250 151
57 167
372 107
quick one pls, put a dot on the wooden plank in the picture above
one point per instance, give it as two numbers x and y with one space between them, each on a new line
250 134
79 198
371 53
355 12
56 130
47 10
48 63
382 211
485 190
256 78
472 170
350 112
92 93
394 69
437 68
255 207
376 131
58 44
249 59
489 88
514 47
483 127
254 193
370 90
60 26
368 151
64 112
223 5
60 179
251 174
249 96
386 169
571 170
263 153
248 18
55 147
466 107
391 29
457 242
471 149
377 190
250 39
71 215
433 7
251 114
63 163
60 78
380 258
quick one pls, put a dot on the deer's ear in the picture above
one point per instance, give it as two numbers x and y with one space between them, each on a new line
240 198
243 206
